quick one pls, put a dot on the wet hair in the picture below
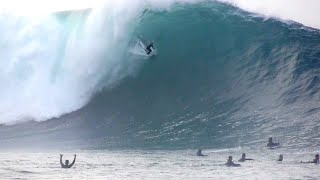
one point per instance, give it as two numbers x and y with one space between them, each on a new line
67 162
280 157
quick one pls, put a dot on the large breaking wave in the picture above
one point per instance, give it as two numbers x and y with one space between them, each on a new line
222 77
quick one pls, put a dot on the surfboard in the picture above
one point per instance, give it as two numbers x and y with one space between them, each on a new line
144 46
139 49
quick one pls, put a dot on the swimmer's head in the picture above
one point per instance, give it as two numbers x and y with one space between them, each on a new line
317 156
270 139
230 158
280 157
243 155
67 162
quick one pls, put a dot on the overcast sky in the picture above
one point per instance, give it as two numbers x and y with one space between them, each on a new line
306 12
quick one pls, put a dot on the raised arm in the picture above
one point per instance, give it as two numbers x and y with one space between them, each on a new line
61 163
74 160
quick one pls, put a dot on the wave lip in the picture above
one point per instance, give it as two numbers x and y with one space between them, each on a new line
304 12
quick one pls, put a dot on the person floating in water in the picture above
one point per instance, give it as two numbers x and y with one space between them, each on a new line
199 153
280 157
148 48
67 165
243 158
315 160
272 144
230 163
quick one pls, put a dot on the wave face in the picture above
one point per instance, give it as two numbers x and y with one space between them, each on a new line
222 78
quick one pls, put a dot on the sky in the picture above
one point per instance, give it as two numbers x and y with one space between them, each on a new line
45 6
304 11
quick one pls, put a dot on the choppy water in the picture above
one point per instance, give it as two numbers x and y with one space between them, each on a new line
140 164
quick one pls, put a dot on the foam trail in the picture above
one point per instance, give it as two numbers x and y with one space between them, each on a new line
302 11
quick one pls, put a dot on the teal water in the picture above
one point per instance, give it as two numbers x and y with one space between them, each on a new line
223 78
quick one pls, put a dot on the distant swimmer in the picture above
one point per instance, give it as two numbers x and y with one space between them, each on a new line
243 158
280 157
199 153
67 165
230 163
315 160
272 144
148 48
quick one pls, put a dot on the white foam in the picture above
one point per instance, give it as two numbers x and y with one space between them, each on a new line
47 70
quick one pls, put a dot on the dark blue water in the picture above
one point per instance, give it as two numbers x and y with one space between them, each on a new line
222 78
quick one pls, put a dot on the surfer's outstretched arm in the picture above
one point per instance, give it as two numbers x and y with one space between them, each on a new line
74 160
61 163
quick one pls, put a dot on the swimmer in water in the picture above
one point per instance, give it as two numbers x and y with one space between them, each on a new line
66 164
272 144
230 163
243 158
280 157
315 160
199 153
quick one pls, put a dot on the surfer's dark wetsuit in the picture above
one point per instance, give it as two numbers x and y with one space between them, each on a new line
148 49
67 165
199 153
315 161
230 163
243 158
271 143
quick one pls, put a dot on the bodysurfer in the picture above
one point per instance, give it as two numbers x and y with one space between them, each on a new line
66 164
199 153
243 158
315 160
271 143
230 163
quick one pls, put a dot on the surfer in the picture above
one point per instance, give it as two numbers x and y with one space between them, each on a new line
243 158
199 153
280 157
315 160
272 144
148 48
230 163
67 165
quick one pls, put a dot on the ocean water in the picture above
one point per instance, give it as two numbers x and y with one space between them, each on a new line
156 164
224 79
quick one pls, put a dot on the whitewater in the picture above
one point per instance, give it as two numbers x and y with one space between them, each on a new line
45 56
228 75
